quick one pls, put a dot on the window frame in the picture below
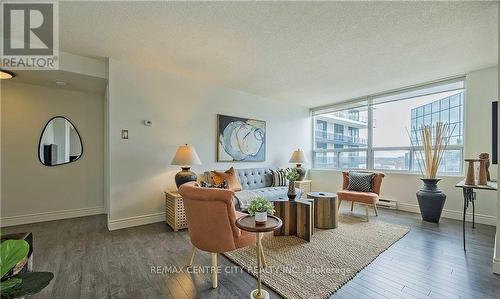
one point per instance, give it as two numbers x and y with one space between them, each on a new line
370 149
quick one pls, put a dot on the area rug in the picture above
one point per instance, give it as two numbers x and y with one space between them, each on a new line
316 269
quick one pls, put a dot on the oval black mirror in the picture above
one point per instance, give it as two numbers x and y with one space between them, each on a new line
60 142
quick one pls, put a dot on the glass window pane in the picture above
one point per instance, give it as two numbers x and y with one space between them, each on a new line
326 160
427 120
353 160
342 129
450 163
445 116
455 100
435 106
391 160
435 117
427 109
420 111
445 103
455 115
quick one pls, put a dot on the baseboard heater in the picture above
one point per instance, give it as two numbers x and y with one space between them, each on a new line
388 203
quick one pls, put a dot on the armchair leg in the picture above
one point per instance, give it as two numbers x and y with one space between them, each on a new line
191 256
366 211
340 201
214 270
352 205
375 208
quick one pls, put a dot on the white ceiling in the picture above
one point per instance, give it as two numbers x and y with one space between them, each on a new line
307 53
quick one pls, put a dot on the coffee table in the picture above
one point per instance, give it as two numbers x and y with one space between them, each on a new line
297 216
247 223
325 209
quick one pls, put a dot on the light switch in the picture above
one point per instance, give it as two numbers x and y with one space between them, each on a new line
124 134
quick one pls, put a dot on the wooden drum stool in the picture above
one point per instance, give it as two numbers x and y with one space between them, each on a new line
325 209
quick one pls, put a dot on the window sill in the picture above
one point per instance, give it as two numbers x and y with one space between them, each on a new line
392 172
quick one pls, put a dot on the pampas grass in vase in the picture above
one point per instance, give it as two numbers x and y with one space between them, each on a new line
430 145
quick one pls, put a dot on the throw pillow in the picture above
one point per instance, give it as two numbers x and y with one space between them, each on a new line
208 185
359 181
279 177
229 176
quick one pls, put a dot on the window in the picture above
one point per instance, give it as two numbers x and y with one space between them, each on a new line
374 133
346 134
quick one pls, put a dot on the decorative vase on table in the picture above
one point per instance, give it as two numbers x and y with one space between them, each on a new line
431 200
260 217
291 190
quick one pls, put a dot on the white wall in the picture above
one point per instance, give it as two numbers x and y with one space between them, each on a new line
182 111
481 90
33 192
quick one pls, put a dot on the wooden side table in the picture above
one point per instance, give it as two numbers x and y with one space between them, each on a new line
325 209
247 223
175 216
305 185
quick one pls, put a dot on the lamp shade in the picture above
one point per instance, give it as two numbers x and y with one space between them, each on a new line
186 155
298 157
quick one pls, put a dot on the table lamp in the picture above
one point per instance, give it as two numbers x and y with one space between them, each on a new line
298 157
185 156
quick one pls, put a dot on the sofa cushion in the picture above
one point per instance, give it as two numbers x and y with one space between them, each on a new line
255 178
364 197
359 181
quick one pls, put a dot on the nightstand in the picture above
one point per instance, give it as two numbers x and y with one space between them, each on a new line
305 185
175 216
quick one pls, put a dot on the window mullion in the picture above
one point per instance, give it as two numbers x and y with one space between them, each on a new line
369 152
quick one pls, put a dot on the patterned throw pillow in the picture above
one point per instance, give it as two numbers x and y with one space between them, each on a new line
228 177
359 181
279 177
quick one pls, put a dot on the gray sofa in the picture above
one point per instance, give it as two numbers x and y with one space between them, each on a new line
257 182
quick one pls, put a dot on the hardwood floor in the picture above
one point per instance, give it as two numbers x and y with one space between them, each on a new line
90 262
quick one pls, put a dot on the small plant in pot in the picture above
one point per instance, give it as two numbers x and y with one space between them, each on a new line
15 281
429 144
292 176
260 207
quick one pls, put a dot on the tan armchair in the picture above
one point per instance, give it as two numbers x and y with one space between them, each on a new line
211 220
366 198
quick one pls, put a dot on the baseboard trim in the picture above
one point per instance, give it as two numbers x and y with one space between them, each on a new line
50 216
496 266
135 221
451 214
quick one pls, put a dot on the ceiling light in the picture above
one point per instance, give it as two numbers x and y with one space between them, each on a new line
4 75
61 83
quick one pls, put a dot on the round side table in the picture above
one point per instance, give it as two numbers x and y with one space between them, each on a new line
247 223
325 209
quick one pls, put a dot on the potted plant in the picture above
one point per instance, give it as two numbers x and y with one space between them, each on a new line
292 176
14 282
429 144
260 207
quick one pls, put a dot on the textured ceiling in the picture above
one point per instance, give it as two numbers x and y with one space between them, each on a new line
311 54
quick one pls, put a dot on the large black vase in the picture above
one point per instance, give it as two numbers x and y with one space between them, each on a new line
184 176
431 200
